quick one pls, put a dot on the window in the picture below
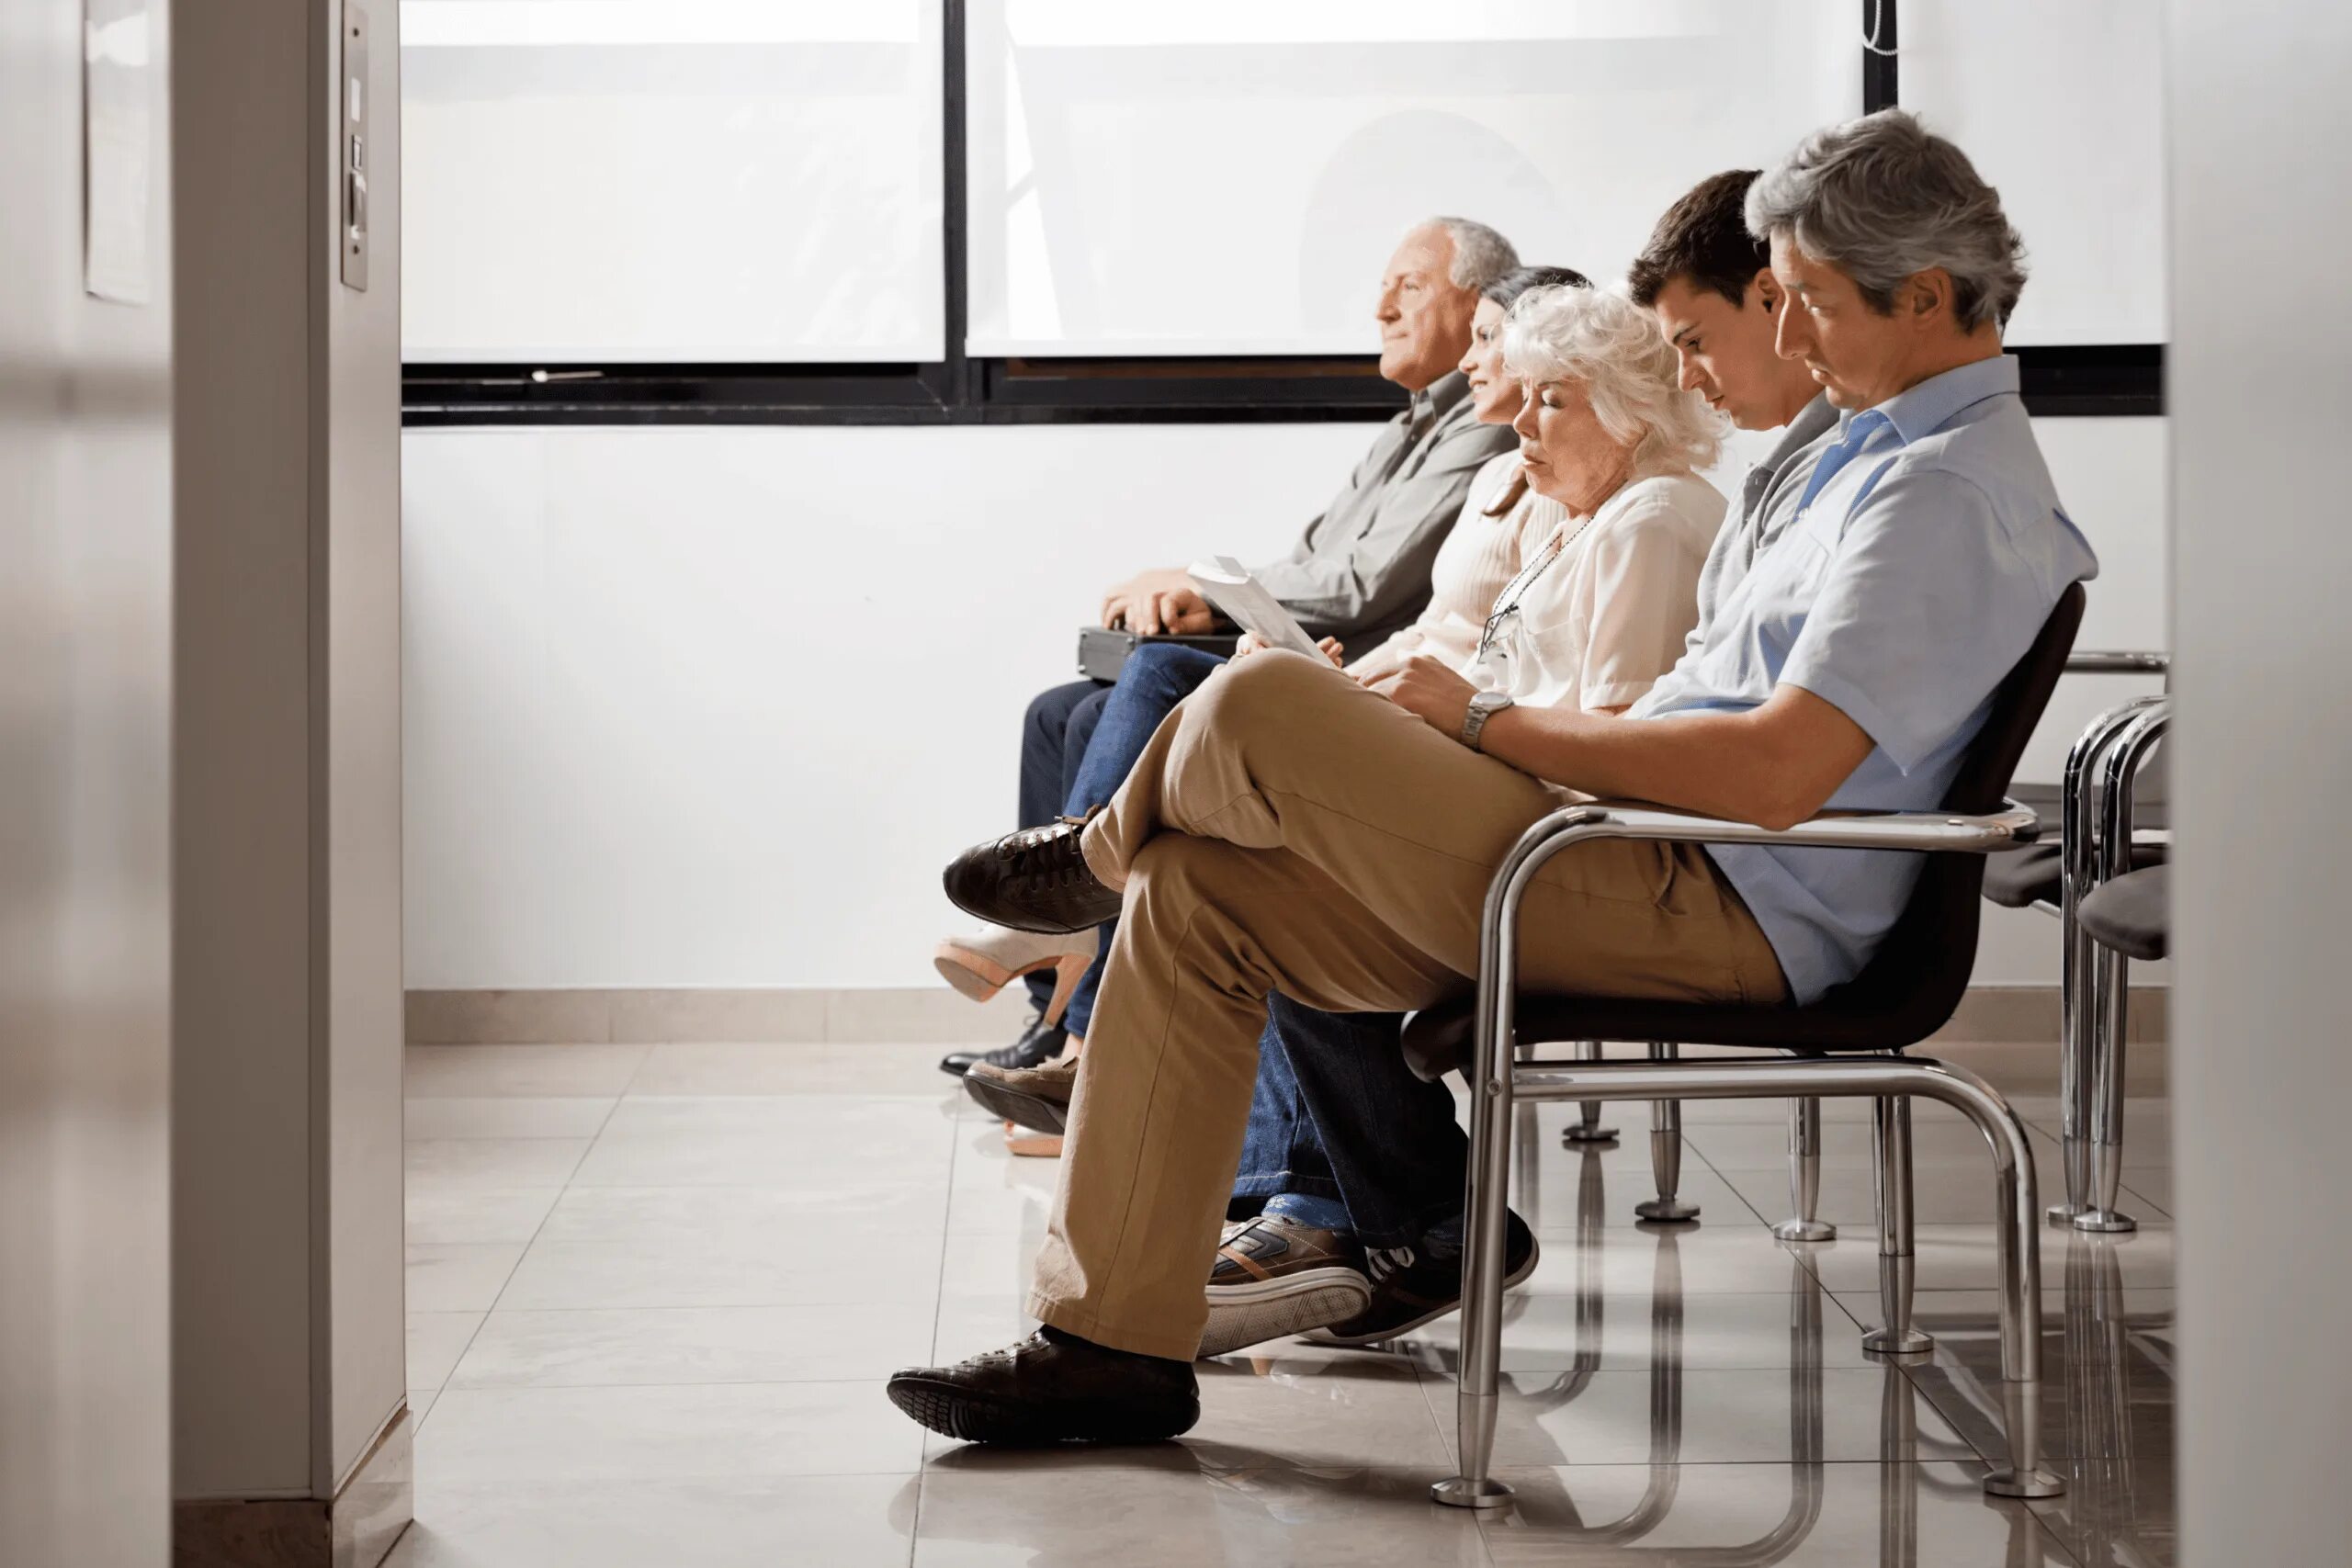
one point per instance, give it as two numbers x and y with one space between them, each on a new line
738 211
676 181
1226 177
2061 106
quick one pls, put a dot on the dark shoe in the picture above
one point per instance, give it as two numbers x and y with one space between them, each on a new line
1039 1044
1052 1388
1034 880
1035 1098
1409 1290
1275 1277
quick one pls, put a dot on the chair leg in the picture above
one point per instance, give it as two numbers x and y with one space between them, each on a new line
1804 1176
1891 1152
1485 1210
2101 1215
1587 1129
2078 1062
1665 1153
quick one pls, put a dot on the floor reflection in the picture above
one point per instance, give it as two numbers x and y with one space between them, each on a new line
682 1367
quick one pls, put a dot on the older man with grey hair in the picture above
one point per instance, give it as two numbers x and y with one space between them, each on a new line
1291 831
1359 572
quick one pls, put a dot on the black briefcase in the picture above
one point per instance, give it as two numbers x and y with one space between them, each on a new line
1103 651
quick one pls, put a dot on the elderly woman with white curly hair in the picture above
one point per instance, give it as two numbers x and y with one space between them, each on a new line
1606 592
1601 609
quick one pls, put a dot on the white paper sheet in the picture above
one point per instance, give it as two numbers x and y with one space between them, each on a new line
1226 583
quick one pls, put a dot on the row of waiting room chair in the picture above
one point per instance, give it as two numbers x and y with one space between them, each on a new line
1847 1044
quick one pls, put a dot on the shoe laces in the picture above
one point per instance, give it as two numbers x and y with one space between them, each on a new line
1048 857
1384 1263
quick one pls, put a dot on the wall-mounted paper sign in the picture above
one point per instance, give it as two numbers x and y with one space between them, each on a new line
119 115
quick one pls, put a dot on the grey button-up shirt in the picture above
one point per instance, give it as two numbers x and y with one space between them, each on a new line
1363 569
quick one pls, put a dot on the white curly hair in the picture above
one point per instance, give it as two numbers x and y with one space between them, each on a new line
1612 348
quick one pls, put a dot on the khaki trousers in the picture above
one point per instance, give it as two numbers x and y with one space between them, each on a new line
1288 830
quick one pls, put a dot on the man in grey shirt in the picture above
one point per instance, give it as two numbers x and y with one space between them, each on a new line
1362 570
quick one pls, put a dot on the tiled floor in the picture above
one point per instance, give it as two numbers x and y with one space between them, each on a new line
653 1292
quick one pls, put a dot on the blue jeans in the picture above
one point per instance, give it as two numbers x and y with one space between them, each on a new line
1156 677
1336 1114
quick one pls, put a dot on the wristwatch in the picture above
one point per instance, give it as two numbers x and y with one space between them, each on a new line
1484 705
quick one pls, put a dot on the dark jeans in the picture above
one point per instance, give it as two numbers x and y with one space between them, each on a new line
1336 1114
1054 735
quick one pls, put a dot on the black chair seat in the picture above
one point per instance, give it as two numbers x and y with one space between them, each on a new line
2132 914
2023 878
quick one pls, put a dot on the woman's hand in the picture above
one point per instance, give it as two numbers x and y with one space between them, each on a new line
1333 649
1432 692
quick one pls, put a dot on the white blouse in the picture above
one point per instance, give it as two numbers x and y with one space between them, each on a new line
1479 555
1600 625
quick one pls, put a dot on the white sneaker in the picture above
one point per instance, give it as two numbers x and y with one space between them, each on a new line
984 963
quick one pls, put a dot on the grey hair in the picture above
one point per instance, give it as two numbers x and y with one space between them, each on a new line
1612 348
1882 198
1480 255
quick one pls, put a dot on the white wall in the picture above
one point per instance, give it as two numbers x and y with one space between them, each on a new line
2261 1076
712 707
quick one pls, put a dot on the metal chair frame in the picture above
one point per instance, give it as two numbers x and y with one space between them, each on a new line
2106 1012
2083 1052
2087 1077
1497 1080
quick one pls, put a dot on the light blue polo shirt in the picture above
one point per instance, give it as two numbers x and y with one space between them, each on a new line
1926 551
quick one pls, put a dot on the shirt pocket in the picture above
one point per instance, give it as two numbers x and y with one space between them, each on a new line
1789 579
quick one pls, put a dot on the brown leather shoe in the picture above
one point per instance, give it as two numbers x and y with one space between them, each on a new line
1034 880
1035 1098
1052 1388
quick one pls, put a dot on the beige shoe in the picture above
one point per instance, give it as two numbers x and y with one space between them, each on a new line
1021 1142
990 959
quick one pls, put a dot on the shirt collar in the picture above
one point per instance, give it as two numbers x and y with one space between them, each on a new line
1922 410
1440 396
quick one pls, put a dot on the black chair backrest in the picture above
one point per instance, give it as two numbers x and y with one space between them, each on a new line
1916 980
1991 759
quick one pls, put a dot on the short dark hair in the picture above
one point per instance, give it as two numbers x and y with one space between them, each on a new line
1519 279
1703 237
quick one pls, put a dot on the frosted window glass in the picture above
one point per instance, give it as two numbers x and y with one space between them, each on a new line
2062 107
682 180
1225 177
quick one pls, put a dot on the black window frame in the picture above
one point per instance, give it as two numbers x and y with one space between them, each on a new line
962 389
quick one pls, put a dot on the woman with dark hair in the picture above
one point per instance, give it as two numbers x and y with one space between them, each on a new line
1482 551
